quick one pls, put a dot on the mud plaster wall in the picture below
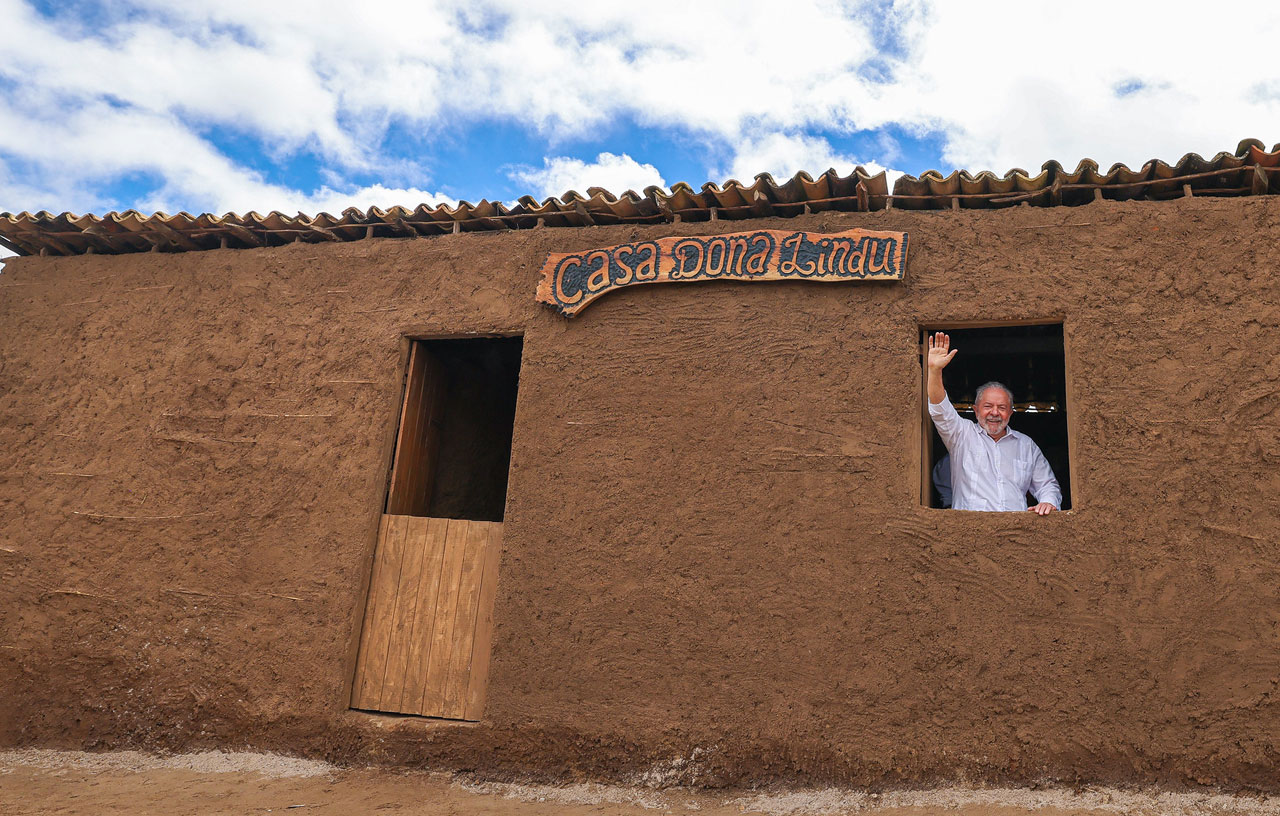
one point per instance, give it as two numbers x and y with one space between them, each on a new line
715 568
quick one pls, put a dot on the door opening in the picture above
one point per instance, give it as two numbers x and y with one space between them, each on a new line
428 619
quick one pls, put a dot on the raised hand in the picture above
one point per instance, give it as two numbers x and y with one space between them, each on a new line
939 352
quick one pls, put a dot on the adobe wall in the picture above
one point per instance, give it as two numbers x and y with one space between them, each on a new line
715 566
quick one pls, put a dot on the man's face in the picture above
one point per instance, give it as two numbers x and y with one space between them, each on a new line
993 411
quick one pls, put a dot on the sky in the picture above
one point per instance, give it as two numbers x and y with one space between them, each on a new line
238 105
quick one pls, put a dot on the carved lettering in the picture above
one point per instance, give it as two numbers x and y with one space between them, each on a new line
573 280
761 249
717 250
688 256
624 272
565 273
886 249
648 268
598 279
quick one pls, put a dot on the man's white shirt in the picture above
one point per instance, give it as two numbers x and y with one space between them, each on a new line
991 475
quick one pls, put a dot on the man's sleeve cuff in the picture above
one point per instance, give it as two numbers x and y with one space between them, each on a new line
941 408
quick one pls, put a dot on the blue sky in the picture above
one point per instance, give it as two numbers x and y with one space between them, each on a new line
236 105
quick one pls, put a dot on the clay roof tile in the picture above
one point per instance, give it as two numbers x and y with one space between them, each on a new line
1250 170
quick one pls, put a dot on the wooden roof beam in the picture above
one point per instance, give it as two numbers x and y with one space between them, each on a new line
12 247
329 235
101 239
585 216
153 243
664 207
761 207
173 235
863 195
403 227
244 234
1261 182
45 241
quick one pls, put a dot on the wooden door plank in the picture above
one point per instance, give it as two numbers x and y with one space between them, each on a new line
418 438
446 614
358 699
424 617
392 548
478 681
464 624
400 491
409 466
403 613
388 559
421 463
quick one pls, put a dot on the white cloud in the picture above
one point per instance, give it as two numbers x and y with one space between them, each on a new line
147 89
100 141
287 74
1059 96
335 202
560 174
782 156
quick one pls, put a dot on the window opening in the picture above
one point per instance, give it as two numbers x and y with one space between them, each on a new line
1031 361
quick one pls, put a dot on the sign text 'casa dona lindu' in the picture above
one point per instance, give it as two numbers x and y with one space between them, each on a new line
572 280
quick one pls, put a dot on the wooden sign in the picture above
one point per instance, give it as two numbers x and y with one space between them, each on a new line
572 280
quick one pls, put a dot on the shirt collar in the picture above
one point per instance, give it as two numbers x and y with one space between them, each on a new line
1012 434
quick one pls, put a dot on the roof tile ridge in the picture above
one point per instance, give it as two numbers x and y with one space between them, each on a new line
1120 167
1242 149
90 218
464 206
549 201
1216 160
936 175
607 196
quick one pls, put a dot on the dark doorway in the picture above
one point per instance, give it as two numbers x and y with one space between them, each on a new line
1030 360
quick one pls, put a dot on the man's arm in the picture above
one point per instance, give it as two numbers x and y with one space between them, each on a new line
936 357
1044 485
941 411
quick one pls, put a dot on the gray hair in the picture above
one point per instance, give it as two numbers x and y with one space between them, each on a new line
977 397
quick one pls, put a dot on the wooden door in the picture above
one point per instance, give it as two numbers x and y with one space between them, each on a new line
424 647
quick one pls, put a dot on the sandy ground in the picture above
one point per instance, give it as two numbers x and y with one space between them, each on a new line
68 782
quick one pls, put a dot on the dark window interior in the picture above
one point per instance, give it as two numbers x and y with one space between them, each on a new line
1030 361
454 445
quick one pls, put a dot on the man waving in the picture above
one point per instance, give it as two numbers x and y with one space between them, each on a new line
993 467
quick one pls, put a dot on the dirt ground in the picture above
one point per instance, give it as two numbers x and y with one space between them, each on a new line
71 782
